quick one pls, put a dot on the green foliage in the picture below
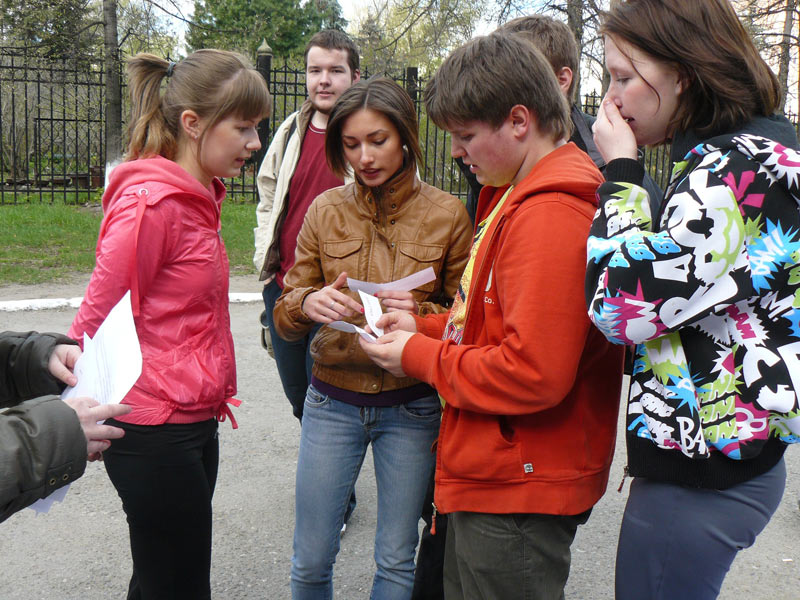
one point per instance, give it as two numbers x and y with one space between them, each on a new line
399 33
70 29
141 27
238 220
73 29
44 242
242 25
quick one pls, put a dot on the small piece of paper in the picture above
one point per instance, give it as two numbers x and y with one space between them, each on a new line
350 328
109 366
372 311
405 284
372 305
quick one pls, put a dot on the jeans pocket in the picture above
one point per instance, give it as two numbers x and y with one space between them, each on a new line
315 398
428 408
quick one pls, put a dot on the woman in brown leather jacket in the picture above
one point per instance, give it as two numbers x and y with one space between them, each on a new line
385 226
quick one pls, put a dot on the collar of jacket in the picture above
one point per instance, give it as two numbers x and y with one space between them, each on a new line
388 198
303 119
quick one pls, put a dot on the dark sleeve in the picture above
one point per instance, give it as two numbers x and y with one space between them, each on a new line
43 448
628 170
23 365
474 189
656 195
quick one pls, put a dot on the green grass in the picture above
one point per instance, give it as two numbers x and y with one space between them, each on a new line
48 242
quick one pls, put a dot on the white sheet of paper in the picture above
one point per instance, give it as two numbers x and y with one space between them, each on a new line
112 360
350 328
109 366
405 284
372 311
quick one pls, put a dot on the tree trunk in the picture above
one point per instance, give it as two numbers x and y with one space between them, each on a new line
112 85
786 49
575 23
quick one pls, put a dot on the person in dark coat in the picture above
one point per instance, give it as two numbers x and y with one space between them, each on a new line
45 441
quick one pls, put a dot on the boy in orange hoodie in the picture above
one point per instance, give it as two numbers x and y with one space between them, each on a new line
530 388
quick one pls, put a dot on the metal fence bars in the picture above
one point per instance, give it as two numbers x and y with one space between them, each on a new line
53 123
51 128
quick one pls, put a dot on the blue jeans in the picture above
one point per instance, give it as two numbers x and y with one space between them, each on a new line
679 542
333 442
293 359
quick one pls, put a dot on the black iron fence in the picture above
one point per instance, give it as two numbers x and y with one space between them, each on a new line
51 128
52 124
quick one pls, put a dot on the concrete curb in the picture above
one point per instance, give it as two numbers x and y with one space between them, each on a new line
53 303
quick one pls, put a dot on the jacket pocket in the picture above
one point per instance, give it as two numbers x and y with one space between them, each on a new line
413 257
331 347
341 255
474 447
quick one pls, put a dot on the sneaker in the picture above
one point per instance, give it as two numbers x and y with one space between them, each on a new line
344 528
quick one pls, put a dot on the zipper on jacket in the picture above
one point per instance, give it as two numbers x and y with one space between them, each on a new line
433 519
467 309
625 474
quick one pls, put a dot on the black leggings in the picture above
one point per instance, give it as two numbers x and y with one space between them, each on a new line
165 476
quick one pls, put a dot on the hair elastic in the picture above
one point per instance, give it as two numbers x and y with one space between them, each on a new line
170 68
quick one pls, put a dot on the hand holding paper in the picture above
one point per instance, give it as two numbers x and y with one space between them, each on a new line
387 351
397 290
394 300
109 366
330 304
62 362
91 416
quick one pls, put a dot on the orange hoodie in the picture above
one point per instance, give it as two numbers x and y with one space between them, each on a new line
532 391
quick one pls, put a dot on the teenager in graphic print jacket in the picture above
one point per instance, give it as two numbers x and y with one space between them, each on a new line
712 302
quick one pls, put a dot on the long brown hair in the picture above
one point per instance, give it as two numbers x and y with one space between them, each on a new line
382 95
212 83
725 80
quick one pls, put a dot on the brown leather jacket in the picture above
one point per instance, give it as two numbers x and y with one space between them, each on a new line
378 235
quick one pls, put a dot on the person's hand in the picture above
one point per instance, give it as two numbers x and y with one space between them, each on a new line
329 304
396 321
387 353
62 362
396 300
97 435
613 136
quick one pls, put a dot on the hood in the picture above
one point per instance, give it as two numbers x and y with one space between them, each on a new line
162 177
775 127
566 170
771 142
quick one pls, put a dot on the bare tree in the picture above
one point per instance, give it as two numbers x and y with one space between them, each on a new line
112 84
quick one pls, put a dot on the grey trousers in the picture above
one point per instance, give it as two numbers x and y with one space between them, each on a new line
508 557
679 542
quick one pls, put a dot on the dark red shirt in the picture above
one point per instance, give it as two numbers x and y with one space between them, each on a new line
312 176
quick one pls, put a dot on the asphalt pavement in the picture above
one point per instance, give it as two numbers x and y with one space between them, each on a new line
79 550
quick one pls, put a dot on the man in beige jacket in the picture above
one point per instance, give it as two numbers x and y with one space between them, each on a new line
293 173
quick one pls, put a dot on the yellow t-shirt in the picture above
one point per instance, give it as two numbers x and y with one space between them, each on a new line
454 329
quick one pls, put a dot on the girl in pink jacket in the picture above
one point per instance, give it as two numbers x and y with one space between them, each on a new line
160 239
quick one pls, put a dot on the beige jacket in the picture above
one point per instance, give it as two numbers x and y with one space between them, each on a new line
274 177
378 235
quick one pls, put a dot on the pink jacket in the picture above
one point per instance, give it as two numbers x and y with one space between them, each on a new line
179 290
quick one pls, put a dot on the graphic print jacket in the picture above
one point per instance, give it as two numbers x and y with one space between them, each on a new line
710 296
